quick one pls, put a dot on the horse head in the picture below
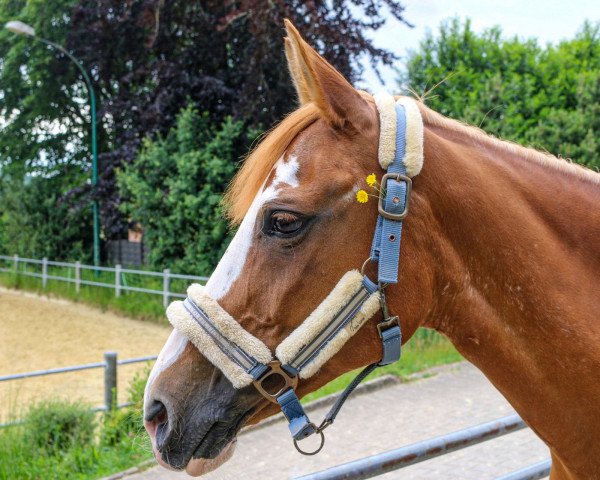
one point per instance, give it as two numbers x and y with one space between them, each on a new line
300 230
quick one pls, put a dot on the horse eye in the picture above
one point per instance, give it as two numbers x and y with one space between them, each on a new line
285 223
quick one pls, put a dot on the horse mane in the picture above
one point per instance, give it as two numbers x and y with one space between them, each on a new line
259 163
261 160
475 134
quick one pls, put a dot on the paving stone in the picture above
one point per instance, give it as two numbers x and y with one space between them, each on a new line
455 397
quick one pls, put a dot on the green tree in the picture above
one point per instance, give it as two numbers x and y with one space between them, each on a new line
174 188
147 59
544 97
44 121
36 220
44 138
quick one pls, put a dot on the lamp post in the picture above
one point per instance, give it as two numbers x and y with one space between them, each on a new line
21 28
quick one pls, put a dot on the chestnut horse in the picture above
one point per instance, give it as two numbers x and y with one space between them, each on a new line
501 254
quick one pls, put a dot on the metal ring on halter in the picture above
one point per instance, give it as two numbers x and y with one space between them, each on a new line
316 451
365 263
362 272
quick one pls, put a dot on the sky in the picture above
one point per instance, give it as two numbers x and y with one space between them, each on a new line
547 20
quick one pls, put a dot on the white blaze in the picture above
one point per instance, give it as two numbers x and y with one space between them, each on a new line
286 172
232 262
167 356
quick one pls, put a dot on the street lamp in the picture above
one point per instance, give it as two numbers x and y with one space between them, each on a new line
21 28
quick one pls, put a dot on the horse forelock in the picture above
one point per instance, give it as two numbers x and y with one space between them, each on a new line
261 160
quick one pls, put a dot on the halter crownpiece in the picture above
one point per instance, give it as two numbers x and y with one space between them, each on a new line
245 359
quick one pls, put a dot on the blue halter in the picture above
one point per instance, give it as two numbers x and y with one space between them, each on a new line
393 208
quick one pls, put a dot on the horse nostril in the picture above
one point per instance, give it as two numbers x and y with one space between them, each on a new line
156 413
158 419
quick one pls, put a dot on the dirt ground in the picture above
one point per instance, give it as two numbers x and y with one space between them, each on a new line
39 333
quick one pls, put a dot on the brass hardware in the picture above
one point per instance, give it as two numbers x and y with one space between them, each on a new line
385 324
275 369
399 178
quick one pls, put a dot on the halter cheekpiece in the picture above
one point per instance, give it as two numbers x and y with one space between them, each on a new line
245 360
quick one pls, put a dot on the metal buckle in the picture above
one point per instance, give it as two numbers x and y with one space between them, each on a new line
385 324
275 369
399 178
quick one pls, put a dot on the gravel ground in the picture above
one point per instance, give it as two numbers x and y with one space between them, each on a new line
455 397
40 333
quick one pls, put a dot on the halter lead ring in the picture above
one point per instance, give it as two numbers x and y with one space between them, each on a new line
314 452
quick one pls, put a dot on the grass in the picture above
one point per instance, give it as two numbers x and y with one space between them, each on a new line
424 350
20 460
142 306
61 439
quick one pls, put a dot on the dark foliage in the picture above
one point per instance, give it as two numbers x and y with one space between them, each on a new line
174 188
150 58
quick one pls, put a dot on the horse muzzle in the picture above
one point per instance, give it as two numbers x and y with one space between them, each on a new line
196 431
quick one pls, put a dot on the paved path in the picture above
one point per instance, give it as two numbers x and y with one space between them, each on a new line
455 397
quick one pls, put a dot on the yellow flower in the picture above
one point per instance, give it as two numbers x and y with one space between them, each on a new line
371 180
362 196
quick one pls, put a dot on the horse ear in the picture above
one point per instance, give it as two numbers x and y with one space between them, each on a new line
318 82
296 73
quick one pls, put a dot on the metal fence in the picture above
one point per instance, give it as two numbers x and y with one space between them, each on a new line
118 275
110 366
368 467
391 460
364 468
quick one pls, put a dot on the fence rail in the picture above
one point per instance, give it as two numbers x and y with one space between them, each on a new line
532 472
391 460
110 366
360 469
18 266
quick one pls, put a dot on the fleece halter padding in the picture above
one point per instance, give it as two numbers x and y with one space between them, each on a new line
349 302
413 135
210 328
243 358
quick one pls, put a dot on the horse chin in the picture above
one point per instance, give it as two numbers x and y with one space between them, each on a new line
197 467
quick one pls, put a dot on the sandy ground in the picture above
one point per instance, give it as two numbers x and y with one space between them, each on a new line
39 333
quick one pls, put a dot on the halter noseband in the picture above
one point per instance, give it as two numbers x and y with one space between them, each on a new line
245 360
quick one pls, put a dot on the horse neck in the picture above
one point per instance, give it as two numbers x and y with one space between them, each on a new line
516 256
